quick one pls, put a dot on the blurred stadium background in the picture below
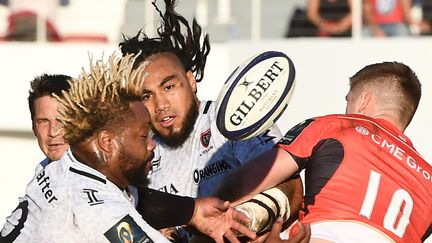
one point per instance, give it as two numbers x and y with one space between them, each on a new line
238 29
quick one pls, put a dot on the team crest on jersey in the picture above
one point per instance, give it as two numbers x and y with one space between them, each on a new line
127 230
294 132
205 138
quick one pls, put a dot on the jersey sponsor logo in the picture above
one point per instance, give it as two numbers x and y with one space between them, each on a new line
169 189
44 182
127 230
205 138
362 130
401 155
294 132
91 194
15 223
211 170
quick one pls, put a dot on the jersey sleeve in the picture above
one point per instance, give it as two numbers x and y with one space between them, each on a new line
160 209
301 140
245 150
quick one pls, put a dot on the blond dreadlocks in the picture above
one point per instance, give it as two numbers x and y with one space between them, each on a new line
100 99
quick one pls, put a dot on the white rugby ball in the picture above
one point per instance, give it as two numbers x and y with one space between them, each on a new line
255 95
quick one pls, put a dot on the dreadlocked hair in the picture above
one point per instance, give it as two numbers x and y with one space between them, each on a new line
187 47
100 99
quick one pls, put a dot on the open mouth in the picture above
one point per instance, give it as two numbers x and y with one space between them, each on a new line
167 121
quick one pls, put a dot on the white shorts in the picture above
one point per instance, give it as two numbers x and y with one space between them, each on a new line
347 231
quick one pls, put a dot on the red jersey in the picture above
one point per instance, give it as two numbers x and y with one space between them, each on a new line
363 170
385 11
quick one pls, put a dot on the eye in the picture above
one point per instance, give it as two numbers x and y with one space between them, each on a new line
169 87
145 96
42 121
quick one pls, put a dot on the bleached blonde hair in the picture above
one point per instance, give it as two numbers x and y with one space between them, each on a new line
100 99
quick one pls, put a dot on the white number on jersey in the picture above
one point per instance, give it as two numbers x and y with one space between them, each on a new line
400 197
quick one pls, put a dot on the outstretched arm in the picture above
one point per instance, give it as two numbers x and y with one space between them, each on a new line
267 170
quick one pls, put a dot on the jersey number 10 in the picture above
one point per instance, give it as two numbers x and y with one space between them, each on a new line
399 197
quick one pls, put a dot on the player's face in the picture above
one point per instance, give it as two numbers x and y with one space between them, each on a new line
47 129
136 146
169 95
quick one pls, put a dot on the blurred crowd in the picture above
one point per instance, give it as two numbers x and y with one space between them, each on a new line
379 18
317 18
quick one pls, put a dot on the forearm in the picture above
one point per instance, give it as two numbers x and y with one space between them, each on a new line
313 14
162 210
368 14
283 200
406 9
267 170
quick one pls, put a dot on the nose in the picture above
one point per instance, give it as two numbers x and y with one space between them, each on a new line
56 129
161 102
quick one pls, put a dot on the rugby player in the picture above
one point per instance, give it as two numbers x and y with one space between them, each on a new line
191 155
365 182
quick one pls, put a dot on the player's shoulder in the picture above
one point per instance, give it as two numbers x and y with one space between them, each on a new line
332 120
208 108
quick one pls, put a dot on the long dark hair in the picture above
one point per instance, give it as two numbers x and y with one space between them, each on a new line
190 47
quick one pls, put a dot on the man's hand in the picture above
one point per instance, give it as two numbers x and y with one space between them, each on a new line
302 235
217 219
169 233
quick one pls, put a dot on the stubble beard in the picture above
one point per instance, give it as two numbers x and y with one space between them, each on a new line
137 176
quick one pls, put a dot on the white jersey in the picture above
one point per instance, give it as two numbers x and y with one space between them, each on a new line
206 156
67 201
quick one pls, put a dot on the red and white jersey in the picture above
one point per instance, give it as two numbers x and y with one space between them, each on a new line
387 12
67 201
205 158
362 170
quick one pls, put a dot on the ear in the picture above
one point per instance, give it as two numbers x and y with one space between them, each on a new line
192 80
363 103
105 141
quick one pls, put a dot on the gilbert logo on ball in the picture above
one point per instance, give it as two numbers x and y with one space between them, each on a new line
255 95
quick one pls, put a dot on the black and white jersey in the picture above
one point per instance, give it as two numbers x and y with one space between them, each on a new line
206 156
67 201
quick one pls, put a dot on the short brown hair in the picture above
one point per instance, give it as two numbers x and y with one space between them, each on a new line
46 85
395 79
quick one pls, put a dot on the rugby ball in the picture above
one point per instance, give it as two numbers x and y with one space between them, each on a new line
255 95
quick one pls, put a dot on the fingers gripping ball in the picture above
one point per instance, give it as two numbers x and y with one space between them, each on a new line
264 208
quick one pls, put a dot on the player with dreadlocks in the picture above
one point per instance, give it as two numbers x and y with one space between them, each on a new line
107 129
191 155
86 194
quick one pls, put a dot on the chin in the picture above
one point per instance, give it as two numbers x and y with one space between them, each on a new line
54 157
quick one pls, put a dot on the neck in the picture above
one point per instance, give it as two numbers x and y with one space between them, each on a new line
120 181
85 155
393 119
